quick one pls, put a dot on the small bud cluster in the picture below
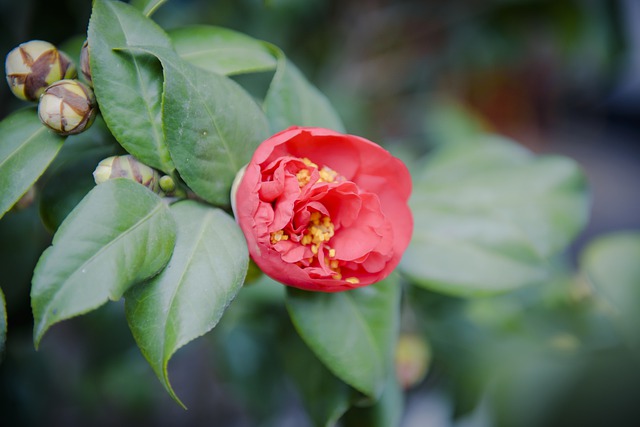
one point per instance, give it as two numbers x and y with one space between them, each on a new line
38 71
129 167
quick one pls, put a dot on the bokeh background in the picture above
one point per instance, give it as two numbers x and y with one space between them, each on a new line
557 76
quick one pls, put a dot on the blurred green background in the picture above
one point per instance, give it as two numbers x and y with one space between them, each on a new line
557 76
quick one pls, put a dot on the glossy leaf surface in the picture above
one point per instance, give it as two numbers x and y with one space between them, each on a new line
26 150
187 299
119 235
353 333
212 126
129 87
221 50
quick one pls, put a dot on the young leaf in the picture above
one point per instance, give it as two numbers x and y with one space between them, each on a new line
612 264
490 215
26 150
211 124
221 50
3 323
292 101
187 299
129 88
353 333
119 235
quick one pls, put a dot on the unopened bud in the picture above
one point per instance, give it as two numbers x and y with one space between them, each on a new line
33 66
127 167
85 67
68 107
167 184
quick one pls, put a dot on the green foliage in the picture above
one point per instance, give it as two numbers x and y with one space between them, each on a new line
69 178
221 50
292 100
612 264
187 299
26 150
490 217
224 126
118 236
353 333
129 87
503 211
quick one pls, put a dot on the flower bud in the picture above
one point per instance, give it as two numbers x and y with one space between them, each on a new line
127 167
85 67
68 107
33 66
167 184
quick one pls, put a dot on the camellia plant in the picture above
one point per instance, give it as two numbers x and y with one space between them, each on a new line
201 187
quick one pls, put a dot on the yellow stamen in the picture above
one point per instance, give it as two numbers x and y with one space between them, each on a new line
315 218
303 176
277 236
319 232
352 280
325 174
308 162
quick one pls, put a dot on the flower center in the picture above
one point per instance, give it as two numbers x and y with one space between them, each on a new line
317 235
319 230
325 173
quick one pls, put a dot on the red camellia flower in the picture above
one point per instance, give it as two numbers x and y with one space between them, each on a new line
324 211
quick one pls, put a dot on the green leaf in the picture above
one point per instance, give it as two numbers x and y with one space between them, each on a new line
221 50
148 7
69 178
26 150
188 298
385 412
325 397
119 235
490 215
612 264
292 101
129 87
211 124
353 333
3 323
